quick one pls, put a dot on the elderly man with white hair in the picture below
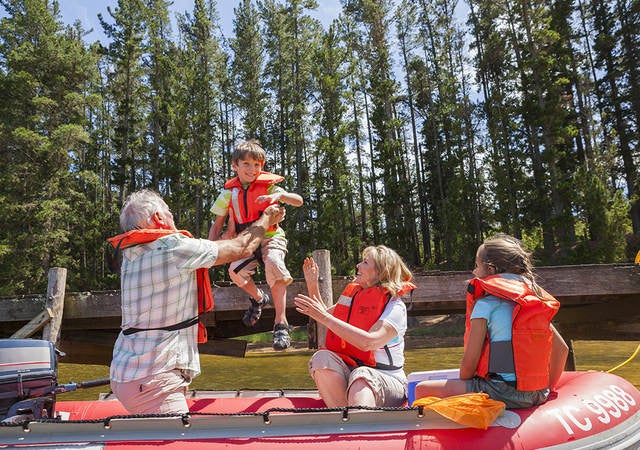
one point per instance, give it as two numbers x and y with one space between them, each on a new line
165 288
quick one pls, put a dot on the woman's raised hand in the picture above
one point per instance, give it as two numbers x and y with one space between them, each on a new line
311 272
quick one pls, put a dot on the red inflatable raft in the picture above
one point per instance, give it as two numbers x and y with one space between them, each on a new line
590 410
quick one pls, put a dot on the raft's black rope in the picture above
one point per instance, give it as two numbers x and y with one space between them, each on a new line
185 417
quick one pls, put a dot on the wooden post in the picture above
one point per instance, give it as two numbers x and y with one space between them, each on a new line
317 333
55 302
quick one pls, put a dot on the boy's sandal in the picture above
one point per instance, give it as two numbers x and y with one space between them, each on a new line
281 338
252 315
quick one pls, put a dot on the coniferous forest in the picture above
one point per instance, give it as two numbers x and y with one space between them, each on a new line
401 123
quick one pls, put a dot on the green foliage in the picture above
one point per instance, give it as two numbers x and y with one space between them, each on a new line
43 127
247 66
531 133
604 213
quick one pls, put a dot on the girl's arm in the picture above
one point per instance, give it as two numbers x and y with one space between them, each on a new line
291 198
230 231
473 348
559 353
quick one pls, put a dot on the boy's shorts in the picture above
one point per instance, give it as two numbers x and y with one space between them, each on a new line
387 390
273 250
505 392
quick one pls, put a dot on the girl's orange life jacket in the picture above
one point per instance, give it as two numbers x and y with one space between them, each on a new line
529 351
361 308
243 205
205 294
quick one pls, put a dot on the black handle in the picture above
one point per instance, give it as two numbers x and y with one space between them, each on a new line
93 383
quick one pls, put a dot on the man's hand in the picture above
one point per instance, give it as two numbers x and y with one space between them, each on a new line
275 214
246 242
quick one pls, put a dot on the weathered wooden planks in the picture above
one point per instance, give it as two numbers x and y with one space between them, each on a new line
600 301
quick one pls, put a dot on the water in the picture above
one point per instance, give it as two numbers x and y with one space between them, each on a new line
285 370
288 370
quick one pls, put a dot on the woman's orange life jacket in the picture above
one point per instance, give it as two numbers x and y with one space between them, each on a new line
361 308
529 351
243 206
205 294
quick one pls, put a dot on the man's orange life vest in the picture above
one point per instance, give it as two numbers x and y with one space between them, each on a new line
243 205
361 308
528 353
205 294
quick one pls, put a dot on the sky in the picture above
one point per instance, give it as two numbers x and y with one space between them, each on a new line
87 12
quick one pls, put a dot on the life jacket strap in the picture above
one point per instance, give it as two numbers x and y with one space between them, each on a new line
387 367
501 357
378 365
257 256
177 326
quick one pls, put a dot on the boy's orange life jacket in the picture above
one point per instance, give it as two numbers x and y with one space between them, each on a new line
205 294
531 338
361 308
243 205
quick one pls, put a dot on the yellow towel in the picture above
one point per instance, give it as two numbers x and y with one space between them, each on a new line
472 409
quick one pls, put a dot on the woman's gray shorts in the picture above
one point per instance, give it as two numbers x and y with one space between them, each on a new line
387 390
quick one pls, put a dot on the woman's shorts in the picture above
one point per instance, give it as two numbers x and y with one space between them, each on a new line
387 390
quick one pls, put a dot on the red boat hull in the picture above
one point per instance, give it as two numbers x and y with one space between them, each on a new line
589 410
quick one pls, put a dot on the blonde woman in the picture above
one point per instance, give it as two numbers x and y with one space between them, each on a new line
362 362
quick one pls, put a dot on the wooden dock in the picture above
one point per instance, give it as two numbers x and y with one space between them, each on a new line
599 302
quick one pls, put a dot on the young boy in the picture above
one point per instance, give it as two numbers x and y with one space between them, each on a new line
244 198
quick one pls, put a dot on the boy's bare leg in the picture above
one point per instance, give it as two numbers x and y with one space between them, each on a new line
258 298
279 294
246 284
251 289
281 338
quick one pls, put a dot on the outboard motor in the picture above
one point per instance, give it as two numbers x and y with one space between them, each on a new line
28 378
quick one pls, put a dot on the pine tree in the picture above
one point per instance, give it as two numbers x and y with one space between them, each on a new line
247 69
398 219
126 91
330 188
199 163
45 70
